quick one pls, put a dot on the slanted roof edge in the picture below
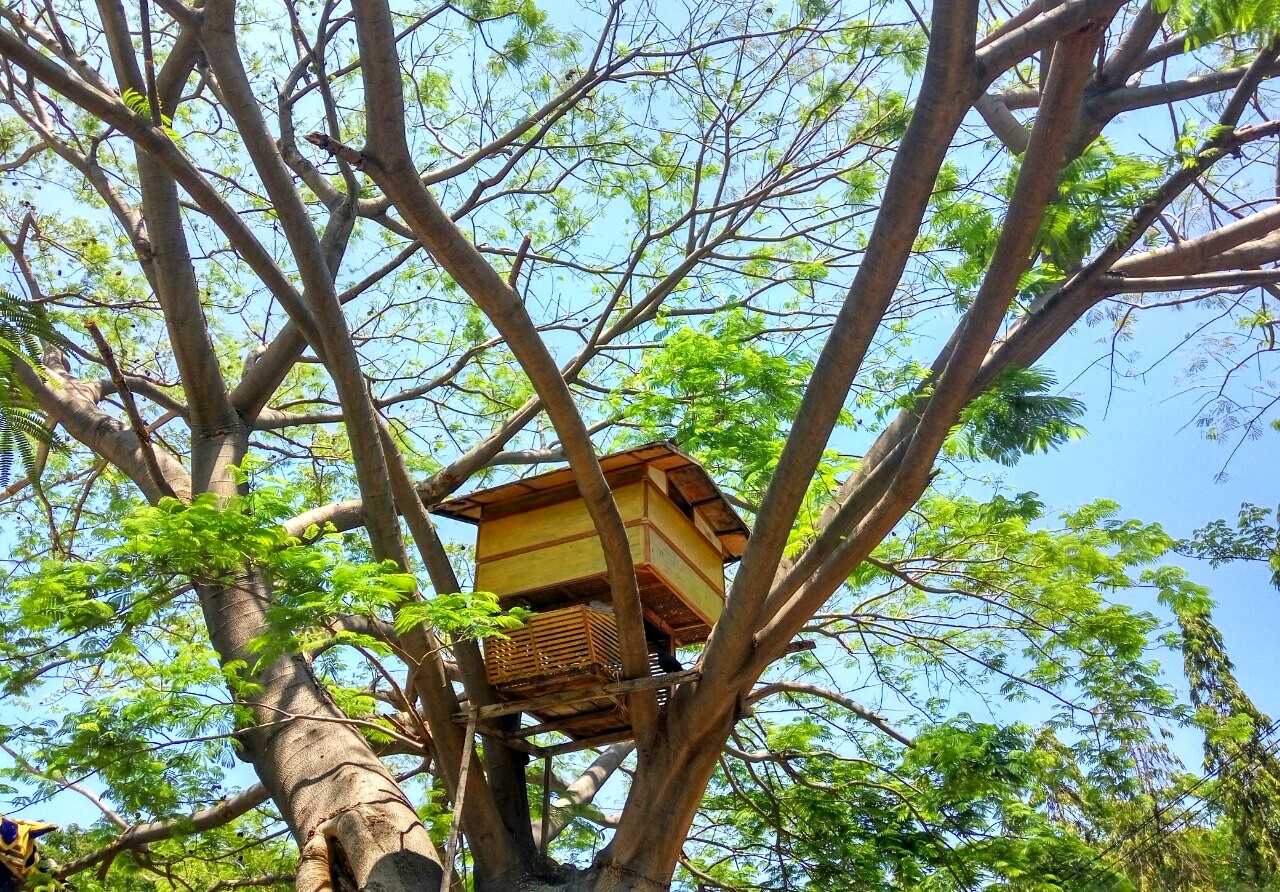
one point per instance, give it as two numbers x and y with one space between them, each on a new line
468 507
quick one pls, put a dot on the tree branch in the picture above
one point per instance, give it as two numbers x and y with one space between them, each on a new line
139 835
389 164
867 715
131 412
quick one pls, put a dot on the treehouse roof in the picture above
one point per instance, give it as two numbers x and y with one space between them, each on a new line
684 475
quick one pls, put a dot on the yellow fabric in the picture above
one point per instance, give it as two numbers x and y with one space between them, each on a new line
18 845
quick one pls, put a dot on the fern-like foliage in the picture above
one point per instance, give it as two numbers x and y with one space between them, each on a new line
1255 536
1018 415
1204 21
22 426
1098 190
141 106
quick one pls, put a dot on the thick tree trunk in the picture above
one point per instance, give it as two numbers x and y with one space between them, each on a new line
331 788
659 811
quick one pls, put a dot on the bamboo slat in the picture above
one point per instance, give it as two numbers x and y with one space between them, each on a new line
561 644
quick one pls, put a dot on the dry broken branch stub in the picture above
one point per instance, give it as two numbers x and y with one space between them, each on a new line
327 143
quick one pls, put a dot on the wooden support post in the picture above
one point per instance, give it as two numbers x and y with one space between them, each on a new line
544 837
451 850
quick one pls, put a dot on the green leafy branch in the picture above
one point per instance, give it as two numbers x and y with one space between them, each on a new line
207 542
1017 416
141 106
23 325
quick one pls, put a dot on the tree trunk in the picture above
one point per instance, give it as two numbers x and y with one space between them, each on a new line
331 788
659 811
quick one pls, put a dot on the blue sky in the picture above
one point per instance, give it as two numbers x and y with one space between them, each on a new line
1139 454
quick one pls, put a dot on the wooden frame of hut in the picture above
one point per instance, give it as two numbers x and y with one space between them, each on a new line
537 547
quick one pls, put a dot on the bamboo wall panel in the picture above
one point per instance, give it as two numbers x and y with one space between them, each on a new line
556 645
552 565
550 523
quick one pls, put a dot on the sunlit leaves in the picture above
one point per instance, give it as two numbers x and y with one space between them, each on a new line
1027 582
965 227
1255 536
1017 415
998 598
463 615
866 39
163 547
716 391
529 30
433 88
1097 192
953 812
141 106
777 141
1207 20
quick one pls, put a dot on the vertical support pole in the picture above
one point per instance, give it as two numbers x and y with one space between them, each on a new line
544 838
451 849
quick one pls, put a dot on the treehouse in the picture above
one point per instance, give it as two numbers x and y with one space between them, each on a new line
537 547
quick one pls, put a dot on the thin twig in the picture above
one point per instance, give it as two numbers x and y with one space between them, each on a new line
131 410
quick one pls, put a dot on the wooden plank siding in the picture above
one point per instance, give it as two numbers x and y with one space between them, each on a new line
674 568
555 546
700 550
550 523
559 562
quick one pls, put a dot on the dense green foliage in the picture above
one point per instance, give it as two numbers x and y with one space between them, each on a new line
1207 21
1254 537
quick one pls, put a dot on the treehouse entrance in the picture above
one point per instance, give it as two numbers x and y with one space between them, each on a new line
537 547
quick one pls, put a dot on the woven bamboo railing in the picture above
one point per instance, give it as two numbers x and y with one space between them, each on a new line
574 644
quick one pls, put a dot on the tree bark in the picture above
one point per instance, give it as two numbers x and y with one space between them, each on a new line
319 770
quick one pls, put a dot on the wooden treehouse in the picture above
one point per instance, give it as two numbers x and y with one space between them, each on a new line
537 547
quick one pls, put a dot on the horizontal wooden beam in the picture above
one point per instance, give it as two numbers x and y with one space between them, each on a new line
588 742
581 695
556 724
508 738
569 746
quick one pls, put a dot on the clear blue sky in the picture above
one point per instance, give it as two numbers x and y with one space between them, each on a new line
1139 455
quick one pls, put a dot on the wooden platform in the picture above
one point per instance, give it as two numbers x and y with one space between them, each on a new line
581 699
557 704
